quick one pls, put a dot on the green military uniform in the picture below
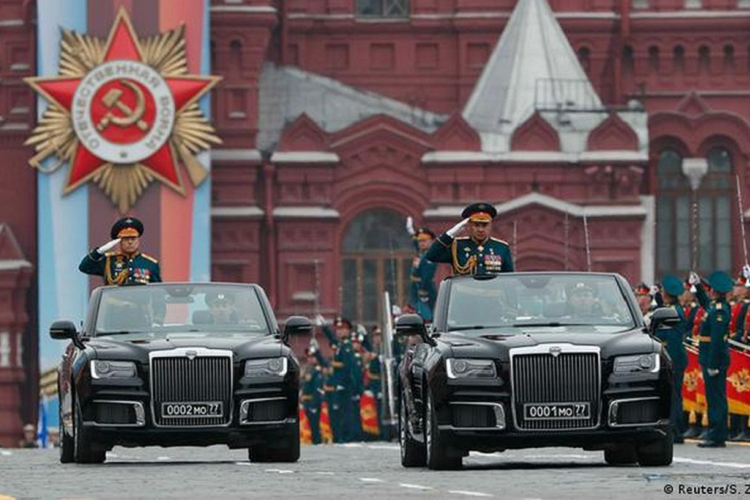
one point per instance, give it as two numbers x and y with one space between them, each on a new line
713 354
467 256
422 292
673 340
117 268
312 398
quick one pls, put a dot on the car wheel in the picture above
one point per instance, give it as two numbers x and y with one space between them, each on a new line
412 451
657 453
623 454
86 451
288 453
436 452
66 442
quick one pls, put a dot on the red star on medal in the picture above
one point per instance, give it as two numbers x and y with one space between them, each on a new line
123 110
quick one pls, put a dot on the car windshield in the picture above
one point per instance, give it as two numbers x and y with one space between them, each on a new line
525 301
181 310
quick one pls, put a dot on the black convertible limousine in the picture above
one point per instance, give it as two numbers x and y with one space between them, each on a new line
179 364
522 360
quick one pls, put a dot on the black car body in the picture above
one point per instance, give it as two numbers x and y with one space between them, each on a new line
532 375
156 365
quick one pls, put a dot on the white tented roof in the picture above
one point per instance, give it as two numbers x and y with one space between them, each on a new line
534 68
287 92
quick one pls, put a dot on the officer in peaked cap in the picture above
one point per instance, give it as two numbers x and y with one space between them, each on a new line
713 353
126 265
422 291
673 339
478 253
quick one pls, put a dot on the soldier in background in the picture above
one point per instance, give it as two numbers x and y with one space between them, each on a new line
714 353
674 341
422 291
312 392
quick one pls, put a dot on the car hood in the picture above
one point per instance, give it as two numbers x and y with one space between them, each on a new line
138 349
497 344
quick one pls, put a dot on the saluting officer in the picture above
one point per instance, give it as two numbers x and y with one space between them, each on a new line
713 353
673 340
479 253
127 265
422 292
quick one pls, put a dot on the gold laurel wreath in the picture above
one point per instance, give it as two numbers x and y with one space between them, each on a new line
123 183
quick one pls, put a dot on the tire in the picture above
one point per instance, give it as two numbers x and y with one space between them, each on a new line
86 451
412 451
286 454
67 447
623 454
437 457
657 453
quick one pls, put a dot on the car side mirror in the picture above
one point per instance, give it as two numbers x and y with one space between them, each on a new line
63 330
664 317
413 324
296 325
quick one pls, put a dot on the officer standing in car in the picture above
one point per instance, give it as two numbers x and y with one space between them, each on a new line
476 254
126 266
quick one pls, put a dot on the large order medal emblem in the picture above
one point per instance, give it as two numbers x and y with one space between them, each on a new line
122 112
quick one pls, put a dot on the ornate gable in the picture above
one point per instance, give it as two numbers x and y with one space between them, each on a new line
613 134
303 135
693 105
456 135
536 134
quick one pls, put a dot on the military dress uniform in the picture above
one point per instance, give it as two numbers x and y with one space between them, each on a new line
713 354
469 257
117 268
312 398
422 292
673 340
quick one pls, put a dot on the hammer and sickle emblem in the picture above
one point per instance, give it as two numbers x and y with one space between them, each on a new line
130 116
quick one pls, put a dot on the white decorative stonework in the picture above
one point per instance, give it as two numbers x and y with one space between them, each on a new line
4 350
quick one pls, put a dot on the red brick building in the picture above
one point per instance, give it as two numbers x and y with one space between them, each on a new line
341 117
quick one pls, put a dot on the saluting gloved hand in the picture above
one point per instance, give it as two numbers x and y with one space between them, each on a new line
410 226
654 289
712 372
107 246
693 278
320 320
452 232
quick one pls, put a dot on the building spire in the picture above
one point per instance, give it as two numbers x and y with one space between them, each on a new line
532 67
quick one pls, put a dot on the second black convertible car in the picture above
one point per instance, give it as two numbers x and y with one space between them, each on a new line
179 364
525 360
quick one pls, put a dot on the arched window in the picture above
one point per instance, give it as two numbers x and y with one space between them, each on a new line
704 59
235 56
729 57
679 58
653 58
376 256
628 63
584 57
673 215
715 197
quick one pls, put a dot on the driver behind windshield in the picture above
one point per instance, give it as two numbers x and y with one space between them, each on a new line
221 307
582 302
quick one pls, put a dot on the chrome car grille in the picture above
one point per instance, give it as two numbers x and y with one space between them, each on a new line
185 377
571 376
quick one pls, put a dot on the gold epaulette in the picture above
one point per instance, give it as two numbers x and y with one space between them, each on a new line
148 257
337 364
112 254
500 241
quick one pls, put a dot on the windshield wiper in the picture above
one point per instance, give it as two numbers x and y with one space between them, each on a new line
551 323
475 327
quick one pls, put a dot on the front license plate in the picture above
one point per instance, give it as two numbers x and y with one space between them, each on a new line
192 410
555 411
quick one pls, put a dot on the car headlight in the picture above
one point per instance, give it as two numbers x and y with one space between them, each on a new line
112 369
643 363
268 367
470 368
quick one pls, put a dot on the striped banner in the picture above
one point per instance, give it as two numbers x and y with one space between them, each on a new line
177 226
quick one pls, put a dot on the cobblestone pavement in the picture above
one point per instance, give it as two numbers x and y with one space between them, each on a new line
371 470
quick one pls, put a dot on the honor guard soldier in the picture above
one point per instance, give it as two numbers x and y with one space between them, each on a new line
673 340
127 266
713 353
422 291
476 254
312 393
